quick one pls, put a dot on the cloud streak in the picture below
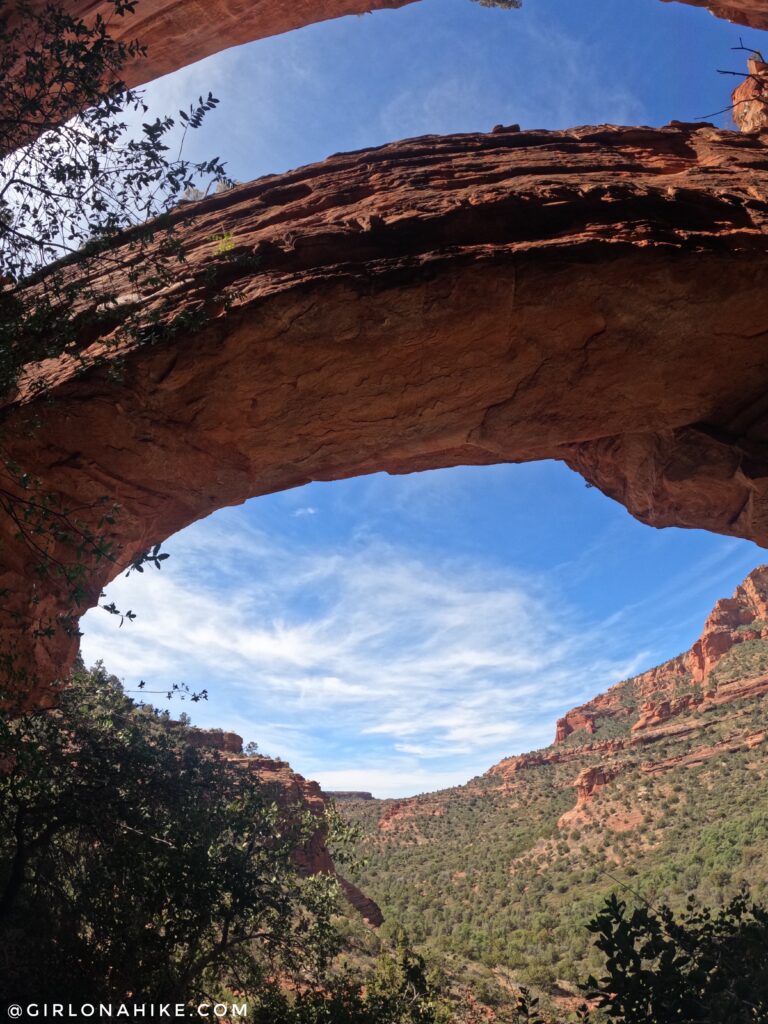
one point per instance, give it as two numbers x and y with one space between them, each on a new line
359 655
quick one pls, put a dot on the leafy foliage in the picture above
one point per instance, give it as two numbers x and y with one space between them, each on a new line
132 862
700 968
135 865
77 171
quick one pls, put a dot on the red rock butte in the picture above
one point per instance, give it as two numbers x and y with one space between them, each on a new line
597 296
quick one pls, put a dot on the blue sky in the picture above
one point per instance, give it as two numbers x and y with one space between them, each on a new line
400 634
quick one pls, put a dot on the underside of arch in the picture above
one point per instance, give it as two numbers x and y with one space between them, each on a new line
180 32
598 296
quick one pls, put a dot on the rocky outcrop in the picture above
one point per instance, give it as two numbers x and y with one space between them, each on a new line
655 713
509 767
700 755
589 781
286 786
750 98
592 779
744 12
364 905
215 739
572 722
392 309
654 697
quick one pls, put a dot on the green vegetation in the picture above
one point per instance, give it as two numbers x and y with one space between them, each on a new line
742 661
134 865
75 177
703 967
484 878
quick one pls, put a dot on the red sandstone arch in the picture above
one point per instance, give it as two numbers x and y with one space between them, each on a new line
179 32
598 296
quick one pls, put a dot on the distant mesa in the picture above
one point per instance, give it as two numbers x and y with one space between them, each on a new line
215 739
348 794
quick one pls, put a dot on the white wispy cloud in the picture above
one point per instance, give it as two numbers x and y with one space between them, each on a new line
346 656
551 79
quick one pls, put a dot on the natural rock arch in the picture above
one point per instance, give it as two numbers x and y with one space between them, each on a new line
598 296
180 32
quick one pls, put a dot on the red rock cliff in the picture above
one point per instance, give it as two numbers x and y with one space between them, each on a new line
654 693
750 98
288 787
745 12
394 312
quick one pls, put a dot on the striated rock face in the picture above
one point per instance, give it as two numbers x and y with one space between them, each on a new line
598 296
655 694
744 12
750 98
216 739
288 787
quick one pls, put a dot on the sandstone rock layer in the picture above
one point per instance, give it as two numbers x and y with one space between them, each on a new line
598 296
655 697
750 97
753 13
287 787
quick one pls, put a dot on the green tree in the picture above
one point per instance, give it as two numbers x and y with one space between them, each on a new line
701 967
77 170
135 865
131 862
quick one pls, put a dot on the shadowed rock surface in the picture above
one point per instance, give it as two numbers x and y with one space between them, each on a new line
598 295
